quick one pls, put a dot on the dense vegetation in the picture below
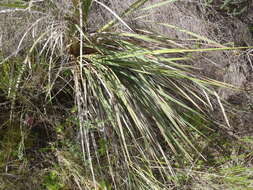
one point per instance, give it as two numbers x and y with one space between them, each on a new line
106 95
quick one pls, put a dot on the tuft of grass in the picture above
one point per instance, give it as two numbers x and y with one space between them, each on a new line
125 107
230 7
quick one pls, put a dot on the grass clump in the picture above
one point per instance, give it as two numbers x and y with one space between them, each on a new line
113 108
231 7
